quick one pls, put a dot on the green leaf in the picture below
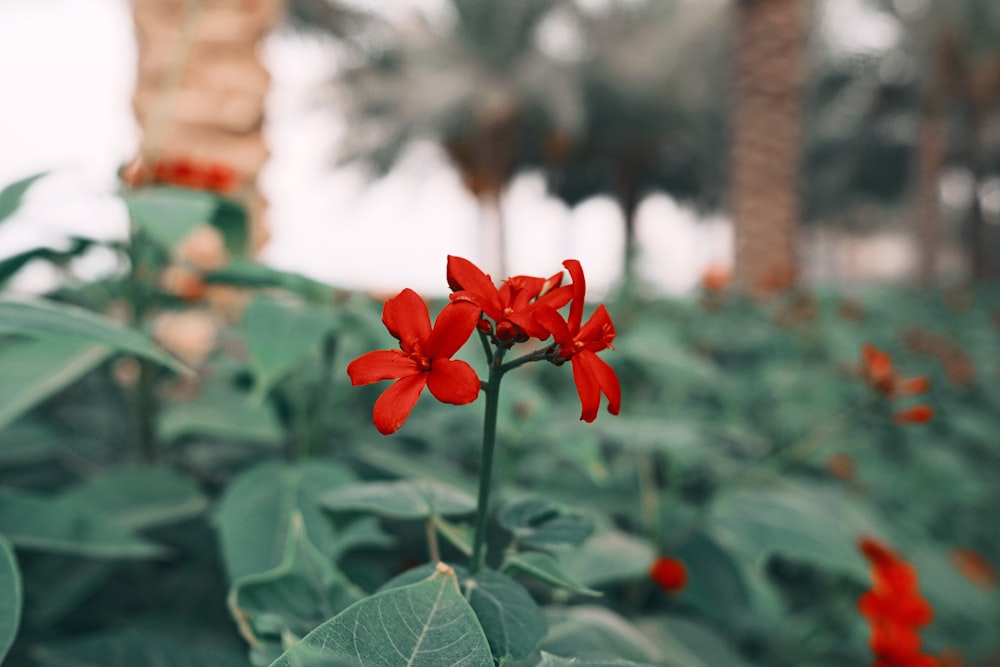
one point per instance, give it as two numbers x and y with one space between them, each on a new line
512 622
227 416
11 196
459 535
60 525
242 273
404 499
168 214
279 337
44 319
684 642
597 632
813 524
298 595
541 524
10 597
137 497
133 647
545 568
608 557
256 510
549 660
427 624
231 219
34 370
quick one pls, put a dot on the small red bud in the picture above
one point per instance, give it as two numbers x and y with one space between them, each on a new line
669 574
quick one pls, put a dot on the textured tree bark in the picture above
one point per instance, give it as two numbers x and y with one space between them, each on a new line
768 76
201 88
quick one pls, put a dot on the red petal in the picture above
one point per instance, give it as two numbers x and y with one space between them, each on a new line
588 388
381 365
606 378
453 326
395 404
463 275
553 322
405 316
453 381
579 293
599 330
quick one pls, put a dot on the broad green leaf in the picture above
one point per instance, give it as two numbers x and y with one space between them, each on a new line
231 219
140 496
48 319
427 624
549 660
168 214
11 195
596 632
10 597
26 442
607 557
256 510
539 523
34 370
298 595
243 273
402 499
279 337
11 265
814 524
459 535
59 525
228 416
60 584
132 648
684 642
545 568
512 622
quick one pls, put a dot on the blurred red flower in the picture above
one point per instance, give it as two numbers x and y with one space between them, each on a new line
669 574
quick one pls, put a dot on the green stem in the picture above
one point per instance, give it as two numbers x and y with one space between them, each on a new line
486 462
537 355
486 347
145 399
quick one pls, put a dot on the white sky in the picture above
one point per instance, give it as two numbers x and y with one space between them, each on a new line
67 71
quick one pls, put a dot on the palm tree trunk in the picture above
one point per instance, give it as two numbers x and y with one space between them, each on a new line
201 87
768 80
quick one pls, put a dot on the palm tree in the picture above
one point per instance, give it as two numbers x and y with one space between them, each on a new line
653 118
482 90
201 87
768 77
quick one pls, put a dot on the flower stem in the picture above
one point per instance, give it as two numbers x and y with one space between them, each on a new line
486 463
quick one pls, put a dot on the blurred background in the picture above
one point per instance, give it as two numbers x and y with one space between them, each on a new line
662 142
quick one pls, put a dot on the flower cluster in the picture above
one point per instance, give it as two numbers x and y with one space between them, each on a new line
894 609
520 309
184 173
877 369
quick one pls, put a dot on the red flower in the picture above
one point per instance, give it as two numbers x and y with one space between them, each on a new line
894 609
669 574
512 305
424 359
918 414
580 345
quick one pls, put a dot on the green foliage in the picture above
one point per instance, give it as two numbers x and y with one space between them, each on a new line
419 499
440 629
10 597
257 513
269 523
45 319
11 195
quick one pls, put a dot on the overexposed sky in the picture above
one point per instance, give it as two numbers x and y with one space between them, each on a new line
67 69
